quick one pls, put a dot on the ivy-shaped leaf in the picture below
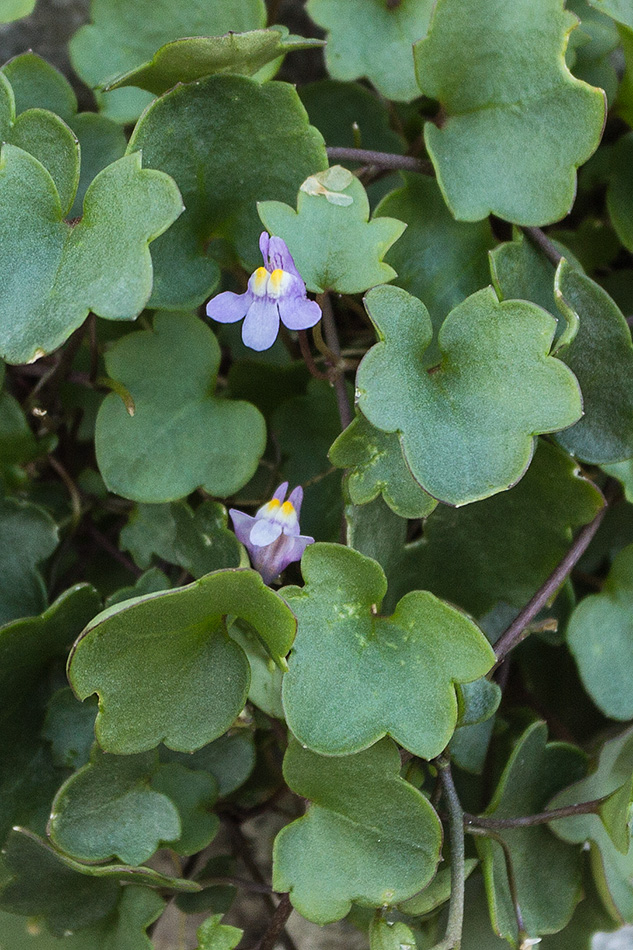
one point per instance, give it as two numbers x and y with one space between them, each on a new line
28 535
494 106
102 264
165 667
610 779
191 58
121 38
230 759
504 547
534 772
620 191
15 9
593 59
368 835
601 356
214 935
70 728
233 143
124 928
390 935
373 39
198 541
41 884
47 137
181 435
438 259
337 108
383 675
467 426
600 636
377 467
194 793
335 246
132 820
38 85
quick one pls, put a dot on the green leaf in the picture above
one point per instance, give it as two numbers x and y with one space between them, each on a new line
214 935
593 60
338 108
495 104
504 547
534 772
373 40
75 270
181 435
45 136
521 272
15 9
601 356
223 129
38 85
438 259
194 794
122 38
18 444
123 929
165 668
266 678
367 836
467 428
69 727
600 636
150 582
620 191
383 675
436 893
28 535
191 58
42 885
611 851
108 810
390 935
198 541
334 245
230 759
378 468
598 350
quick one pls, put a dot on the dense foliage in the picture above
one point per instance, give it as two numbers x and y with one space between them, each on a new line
261 331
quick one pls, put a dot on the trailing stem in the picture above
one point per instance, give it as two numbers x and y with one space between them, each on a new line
454 927
517 630
336 361
528 821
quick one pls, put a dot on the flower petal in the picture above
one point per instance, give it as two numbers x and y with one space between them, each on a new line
280 492
281 258
264 240
229 307
299 313
296 499
242 524
261 325
264 532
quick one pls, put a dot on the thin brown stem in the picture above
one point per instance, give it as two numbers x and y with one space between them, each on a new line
73 491
308 359
542 241
112 549
453 937
528 821
277 924
381 159
337 376
517 630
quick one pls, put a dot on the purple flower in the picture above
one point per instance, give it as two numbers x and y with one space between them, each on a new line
275 292
272 537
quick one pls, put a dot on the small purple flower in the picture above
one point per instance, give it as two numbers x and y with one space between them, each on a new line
275 292
272 537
